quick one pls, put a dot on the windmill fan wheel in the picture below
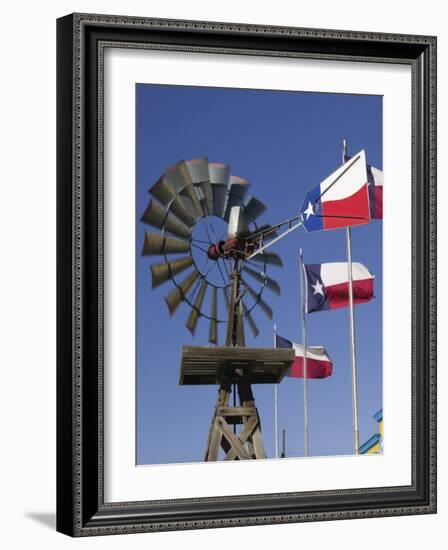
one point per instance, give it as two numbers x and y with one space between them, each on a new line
196 193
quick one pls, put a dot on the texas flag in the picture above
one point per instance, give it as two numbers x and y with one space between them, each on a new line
327 285
318 362
341 200
375 186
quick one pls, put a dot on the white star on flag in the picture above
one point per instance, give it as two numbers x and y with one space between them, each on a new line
317 288
309 211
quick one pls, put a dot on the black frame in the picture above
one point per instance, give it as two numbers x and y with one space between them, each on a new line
81 510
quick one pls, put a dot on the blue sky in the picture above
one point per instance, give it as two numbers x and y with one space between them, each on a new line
284 143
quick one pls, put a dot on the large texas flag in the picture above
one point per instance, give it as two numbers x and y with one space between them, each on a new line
341 200
318 362
327 285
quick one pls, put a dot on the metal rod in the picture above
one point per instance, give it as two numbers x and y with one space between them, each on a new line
304 338
267 231
283 455
270 243
275 402
352 326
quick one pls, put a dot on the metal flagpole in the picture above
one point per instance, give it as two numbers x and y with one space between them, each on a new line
275 402
352 326
283 455
305 373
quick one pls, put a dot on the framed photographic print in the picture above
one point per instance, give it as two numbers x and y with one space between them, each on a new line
246 274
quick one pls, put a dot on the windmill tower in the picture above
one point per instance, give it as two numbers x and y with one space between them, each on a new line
192 194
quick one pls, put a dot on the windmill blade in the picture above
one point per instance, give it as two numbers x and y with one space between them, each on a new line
271 258
237 190
157 216
198 170
177 295
207 197
165 193
200 177
259 300
155 243
196 310
213 333
163 271
254 208
226 299
263 279
179 178
219 179
250 321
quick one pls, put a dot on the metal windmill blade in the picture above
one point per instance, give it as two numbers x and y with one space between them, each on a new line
196 310
259 300
179 178
270 258
163 271
156 244
213 332
250 321
262 278
163 191
253 207
199 174
179 293
158 216
226 298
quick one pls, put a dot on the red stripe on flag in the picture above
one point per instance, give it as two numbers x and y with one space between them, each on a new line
378 209
337 295
356 206
314 368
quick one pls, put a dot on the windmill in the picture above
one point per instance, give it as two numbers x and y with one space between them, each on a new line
227 273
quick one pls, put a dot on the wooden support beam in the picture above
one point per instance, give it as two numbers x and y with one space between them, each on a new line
235 443
257 441
211 454
251 424
236 411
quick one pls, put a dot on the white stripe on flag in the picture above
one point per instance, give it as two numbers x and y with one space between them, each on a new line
313 352
377 176
349 183
335 273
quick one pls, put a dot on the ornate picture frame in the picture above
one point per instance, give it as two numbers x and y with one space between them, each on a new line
81 506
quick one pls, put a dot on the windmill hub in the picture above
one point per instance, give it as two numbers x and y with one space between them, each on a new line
231 248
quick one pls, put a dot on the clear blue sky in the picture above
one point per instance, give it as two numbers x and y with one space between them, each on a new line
284 143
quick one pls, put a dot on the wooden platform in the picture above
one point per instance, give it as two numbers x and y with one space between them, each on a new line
211 365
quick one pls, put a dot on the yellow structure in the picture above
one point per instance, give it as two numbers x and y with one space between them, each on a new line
374 445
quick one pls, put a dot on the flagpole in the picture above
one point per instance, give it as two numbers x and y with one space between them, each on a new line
275 402
352 326
304 338
283 455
